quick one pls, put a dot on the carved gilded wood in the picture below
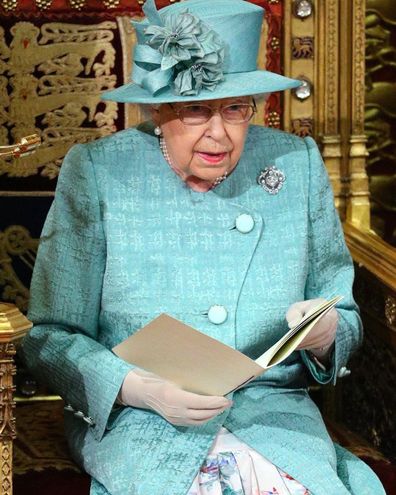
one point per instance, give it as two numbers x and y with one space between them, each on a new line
13 326
333 61
327 110
7 420
358 203
128 40
380 121
56 73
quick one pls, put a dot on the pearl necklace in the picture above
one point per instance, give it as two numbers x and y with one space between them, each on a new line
164 150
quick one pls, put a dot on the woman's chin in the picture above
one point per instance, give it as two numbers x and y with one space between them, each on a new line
211 173
195 179
205 176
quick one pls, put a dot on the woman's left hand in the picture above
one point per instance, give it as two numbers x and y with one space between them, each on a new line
320 339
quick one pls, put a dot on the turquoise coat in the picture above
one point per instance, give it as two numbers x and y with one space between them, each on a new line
126 240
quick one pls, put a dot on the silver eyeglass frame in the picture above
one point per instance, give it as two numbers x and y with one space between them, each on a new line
213 110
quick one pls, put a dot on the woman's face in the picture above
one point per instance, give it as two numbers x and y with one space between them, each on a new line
201 153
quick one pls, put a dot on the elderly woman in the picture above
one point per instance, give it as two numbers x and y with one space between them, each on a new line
228 227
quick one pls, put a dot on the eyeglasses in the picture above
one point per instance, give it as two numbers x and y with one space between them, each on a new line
197 114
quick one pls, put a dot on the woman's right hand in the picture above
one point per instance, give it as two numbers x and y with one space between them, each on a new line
149 391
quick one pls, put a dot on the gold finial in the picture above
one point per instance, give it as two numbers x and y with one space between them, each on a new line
13 324
25 146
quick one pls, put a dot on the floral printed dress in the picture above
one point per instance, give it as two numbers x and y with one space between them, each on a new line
233 468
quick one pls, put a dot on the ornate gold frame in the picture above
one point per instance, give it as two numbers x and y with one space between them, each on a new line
336 68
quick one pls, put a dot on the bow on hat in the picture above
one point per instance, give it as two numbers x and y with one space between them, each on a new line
180 51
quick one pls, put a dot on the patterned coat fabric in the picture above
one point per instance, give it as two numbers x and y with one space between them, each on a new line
126 240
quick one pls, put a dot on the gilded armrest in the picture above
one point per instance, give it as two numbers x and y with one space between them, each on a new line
378 259
13 326
369 250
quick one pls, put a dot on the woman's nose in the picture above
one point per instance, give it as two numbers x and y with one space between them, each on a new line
216 128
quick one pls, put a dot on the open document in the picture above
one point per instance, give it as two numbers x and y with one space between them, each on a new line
198 363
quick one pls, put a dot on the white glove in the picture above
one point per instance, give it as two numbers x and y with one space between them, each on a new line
149 391
320 339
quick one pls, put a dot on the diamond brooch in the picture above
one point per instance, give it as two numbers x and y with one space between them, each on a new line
271 179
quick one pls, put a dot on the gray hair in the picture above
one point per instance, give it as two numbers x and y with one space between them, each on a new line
145 110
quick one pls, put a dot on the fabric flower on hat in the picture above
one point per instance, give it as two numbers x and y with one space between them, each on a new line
177 40
190 49
206 72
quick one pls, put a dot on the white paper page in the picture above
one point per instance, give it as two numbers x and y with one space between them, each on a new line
292 339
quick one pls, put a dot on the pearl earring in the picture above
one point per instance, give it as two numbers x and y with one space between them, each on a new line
158 131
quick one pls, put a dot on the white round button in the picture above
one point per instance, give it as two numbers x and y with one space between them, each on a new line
244 223
217 314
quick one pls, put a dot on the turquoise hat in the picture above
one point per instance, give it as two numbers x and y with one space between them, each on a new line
198 50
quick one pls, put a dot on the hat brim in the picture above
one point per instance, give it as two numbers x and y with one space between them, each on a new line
235 84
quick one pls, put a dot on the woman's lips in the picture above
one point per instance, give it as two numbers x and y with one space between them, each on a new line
212 157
